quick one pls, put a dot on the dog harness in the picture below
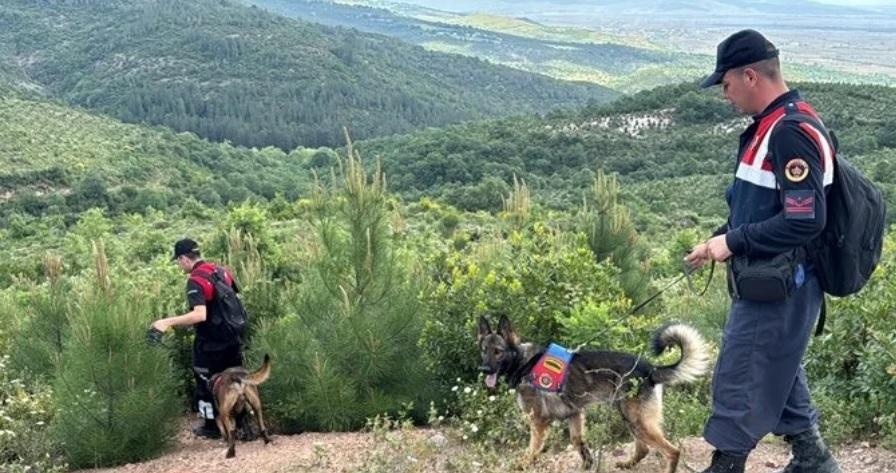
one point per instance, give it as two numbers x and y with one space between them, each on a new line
549 373
215 382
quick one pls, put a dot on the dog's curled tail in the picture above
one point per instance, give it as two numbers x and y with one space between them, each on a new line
262 374
694 361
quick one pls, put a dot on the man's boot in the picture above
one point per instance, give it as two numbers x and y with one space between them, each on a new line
207 428
810 454
725 463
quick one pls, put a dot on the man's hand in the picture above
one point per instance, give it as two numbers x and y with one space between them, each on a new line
717 248
697 257
161 325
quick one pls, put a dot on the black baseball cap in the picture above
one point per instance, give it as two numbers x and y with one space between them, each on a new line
740 49
185 246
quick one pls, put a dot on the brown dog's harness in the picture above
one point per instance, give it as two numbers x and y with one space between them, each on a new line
215 381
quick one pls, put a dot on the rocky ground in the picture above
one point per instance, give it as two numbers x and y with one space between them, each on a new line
438 451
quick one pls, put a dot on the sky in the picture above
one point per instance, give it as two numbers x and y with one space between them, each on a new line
874 3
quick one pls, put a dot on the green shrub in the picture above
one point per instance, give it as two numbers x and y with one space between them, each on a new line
350 350
850 363
686 409
44 332
115 396
547 283
26 413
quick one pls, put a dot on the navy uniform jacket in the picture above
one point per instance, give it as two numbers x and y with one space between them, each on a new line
777 200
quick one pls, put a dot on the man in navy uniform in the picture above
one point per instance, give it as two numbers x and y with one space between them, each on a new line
776 207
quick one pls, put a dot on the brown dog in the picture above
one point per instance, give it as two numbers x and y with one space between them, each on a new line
233 389
630 383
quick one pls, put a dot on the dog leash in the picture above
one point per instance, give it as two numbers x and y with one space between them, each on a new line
688 274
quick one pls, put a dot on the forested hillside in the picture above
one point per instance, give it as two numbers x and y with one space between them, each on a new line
58 161
226 71
672 147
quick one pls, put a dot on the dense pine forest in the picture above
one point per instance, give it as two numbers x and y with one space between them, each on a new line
226 71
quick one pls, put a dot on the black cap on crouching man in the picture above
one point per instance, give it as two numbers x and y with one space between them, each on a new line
740 49
185 247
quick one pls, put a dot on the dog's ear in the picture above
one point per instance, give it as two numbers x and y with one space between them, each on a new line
506 331
484 328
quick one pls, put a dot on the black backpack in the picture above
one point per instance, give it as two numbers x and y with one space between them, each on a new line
848 250
233 317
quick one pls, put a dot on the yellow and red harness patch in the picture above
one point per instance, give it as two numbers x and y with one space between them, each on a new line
549 373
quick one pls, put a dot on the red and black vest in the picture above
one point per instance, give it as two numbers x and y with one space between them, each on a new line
205 330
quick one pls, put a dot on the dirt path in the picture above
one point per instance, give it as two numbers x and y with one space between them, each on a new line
432 451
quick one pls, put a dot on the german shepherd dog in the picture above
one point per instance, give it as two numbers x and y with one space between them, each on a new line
633 385
234 389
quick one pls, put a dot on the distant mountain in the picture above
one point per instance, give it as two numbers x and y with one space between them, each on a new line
618 54
641 7
624 63
230 72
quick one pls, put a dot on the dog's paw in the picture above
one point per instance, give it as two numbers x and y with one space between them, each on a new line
587 458
524 463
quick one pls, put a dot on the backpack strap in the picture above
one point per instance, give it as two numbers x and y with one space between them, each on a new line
812 126
207 280
826 142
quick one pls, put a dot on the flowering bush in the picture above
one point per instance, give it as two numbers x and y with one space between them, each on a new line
489 418
26 442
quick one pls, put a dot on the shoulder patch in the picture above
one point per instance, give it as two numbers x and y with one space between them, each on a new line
796 170
799 204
